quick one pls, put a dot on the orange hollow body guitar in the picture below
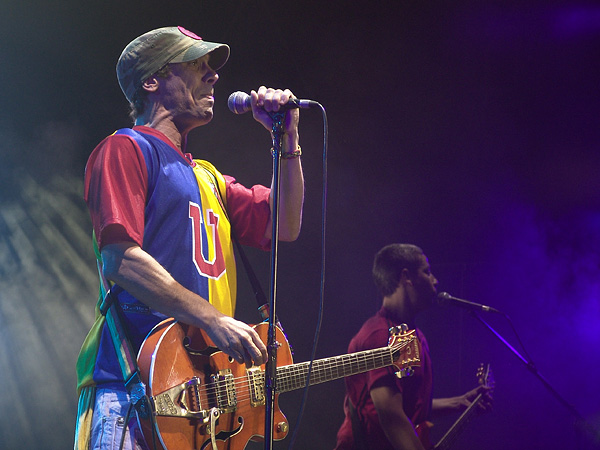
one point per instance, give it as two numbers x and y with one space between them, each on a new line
201 399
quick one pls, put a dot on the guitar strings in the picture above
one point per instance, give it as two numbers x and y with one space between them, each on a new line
289 372
216 392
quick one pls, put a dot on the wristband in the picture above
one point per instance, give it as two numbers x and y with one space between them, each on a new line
288 155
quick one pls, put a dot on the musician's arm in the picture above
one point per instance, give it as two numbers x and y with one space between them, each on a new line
129 266
442 406
395 423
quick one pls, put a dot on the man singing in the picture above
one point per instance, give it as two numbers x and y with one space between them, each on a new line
163 221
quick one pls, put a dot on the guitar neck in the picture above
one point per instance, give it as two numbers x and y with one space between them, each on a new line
485 378
447 441
294 376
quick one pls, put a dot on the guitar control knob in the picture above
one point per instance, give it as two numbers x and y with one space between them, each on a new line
283 427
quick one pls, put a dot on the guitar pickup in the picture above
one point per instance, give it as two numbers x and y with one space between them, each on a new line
224 386
256 382
181 401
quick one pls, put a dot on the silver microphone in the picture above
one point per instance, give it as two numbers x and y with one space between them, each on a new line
444 298
239 103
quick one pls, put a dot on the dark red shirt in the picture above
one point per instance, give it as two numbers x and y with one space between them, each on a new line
416 390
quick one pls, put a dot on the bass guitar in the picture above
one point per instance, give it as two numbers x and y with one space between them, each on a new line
485 378
202 399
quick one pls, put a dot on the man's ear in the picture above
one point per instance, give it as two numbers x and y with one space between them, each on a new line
151 84
405 278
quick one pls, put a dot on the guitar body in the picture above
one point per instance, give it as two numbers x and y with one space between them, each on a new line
171 356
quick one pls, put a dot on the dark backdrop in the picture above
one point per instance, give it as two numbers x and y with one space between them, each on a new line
469 128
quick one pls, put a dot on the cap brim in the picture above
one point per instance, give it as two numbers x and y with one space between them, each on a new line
219 54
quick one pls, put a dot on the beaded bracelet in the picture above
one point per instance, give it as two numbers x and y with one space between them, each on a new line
288 155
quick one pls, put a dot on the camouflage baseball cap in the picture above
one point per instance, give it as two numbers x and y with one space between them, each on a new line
153 50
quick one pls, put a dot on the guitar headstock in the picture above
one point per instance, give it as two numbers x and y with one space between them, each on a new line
485 377
406 350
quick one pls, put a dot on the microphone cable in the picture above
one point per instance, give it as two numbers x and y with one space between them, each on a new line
322 282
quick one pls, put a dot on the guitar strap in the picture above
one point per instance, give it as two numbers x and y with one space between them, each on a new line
136 389
359 437
259 294
256 287
111 310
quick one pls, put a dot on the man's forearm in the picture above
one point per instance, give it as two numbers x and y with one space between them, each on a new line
144 278
291 194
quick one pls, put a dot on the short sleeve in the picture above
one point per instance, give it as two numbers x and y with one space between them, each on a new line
249 212
384 376
116 182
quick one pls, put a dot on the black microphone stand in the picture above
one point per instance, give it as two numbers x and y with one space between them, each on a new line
580 422
271 365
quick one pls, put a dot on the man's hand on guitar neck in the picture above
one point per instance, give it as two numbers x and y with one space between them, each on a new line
459 403
486 402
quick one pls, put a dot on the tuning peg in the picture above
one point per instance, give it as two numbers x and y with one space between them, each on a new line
406 372
402 328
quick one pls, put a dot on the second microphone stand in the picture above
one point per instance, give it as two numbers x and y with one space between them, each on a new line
582 426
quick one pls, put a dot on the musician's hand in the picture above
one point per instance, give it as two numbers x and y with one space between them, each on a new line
486 402
267 100
238 340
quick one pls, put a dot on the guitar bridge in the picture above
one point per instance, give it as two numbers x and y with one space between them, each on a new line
224 386
182 401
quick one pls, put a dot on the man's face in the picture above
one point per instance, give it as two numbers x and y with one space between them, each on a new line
187 93
424 285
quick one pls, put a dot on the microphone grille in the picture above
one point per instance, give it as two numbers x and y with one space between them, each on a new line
443 297
239 102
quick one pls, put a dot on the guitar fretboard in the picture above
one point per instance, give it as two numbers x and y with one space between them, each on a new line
448 440
294 376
